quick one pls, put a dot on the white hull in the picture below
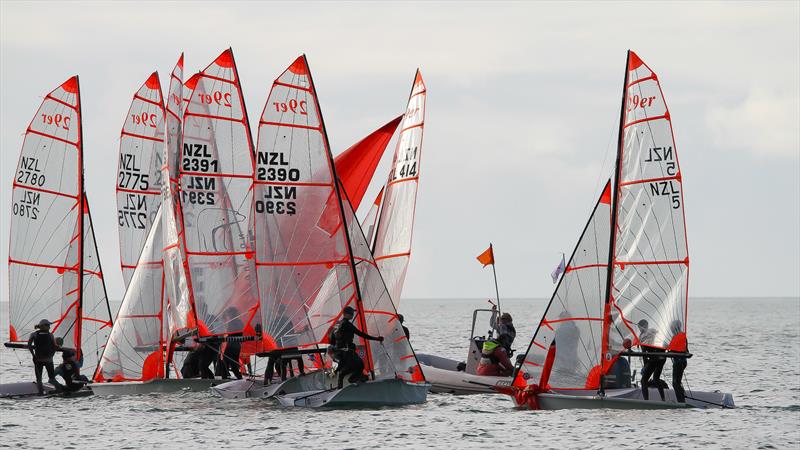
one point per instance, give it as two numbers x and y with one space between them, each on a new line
444 377
255 388
631 398
369 394
154 386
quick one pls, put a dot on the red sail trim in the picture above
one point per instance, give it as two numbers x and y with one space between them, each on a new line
676 177
648 119
140 136
39 133
412 126
622 264
219 175
137 191
50 97
173 114
290 125
588 266
395 255
401 180
205 75
302 263
652 76
138 316
212 116
61 269
127 266
301 88
189 252
574 319
539 345
294 183
160 104
46 191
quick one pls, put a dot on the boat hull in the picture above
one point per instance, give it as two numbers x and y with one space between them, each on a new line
255 388
445 378
27 389
370 394
631 398
154 386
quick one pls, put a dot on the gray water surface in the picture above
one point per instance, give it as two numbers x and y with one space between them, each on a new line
749 347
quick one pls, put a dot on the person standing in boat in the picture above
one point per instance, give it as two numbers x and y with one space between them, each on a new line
494 358
678 344
344 349
42 345
405 328
653 365
229 358
503 325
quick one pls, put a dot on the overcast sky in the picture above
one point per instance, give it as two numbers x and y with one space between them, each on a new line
523 103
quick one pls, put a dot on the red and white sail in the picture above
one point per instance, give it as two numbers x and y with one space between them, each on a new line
54 269
574 316
392 248
370 221
650 257
216 178
139 172
181 315
135 348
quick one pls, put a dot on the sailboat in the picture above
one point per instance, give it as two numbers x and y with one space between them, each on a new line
626 282
54 266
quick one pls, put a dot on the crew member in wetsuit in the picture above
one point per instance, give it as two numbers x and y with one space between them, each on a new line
197 361
494 358
43 347
678 344
405 328
653 365
503 325
344 350
233 349
69 371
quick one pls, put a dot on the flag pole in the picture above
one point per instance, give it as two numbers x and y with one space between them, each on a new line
494 272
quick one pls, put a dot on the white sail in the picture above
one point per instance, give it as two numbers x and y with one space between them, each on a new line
139 178
392 247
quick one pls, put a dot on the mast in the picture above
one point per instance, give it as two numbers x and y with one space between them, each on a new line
79 309
613 238
338 193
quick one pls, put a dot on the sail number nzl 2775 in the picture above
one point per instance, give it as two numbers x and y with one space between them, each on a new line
278 198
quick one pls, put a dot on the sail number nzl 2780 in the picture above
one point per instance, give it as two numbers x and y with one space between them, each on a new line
274 171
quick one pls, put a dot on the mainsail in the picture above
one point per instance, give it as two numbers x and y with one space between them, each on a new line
392 248
215 190
139 172
135 349
595 309
54 269
371 219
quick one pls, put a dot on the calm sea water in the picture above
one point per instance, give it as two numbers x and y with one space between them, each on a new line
750 347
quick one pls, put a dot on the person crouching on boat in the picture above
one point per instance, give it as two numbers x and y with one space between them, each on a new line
42 345
344 350
503 325
678 344
494 357
653 365
70 372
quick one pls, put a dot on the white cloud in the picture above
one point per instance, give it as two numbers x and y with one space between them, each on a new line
766 123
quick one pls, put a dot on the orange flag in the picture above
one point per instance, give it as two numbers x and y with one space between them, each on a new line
486 257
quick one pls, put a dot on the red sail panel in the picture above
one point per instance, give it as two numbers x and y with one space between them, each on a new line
649 284
139 172
392 248
45 219
135 349
356 165
181 315
302 254
215 189
574 316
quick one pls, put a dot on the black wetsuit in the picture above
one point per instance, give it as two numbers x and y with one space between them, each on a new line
42 345
230 359
70 372
345 351
678 366
653 365
408 333
197 361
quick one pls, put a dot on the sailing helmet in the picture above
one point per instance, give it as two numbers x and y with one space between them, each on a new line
643 324
44 323
348 310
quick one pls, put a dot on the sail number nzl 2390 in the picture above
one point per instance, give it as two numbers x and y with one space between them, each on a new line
274 170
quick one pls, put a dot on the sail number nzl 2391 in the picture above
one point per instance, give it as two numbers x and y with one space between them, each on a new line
199 190
274 170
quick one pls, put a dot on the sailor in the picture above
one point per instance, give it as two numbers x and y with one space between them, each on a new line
78 362
344 349
503 325
70 372
233 348
405 328
678 344
43 347
494 357
653 365
197 361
